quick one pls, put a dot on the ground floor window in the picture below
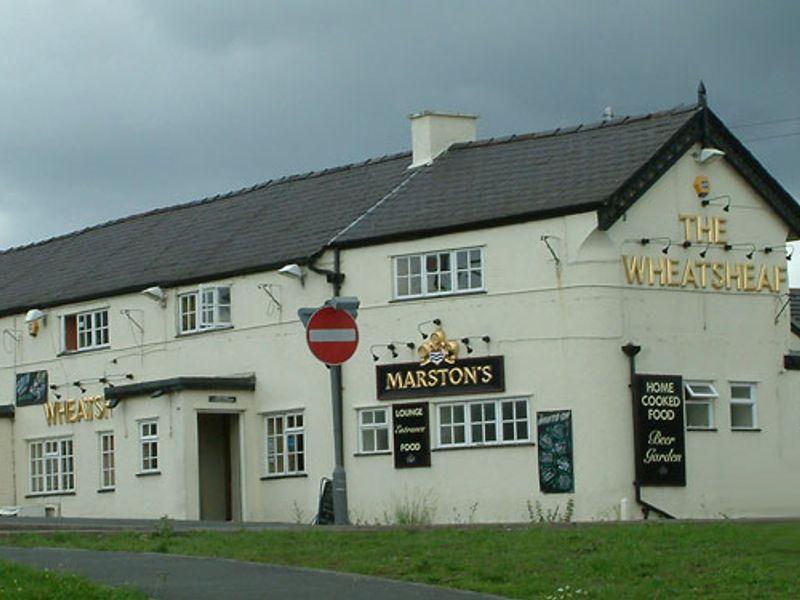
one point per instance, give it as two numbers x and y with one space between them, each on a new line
107 466
285 444
52 465
148 446
699 404
373 427
482 422
743 406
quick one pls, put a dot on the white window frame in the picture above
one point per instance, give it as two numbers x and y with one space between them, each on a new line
149 457
699 393
52 466
91 330
284 444
210 309
370 428
738 403
411 271
108 471
458 423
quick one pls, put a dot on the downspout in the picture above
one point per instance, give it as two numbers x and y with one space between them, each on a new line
631 350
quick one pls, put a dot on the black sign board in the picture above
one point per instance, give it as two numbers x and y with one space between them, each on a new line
465 376
412 447
554 432
659 431
31 388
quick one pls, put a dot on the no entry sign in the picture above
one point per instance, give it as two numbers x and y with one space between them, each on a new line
332 335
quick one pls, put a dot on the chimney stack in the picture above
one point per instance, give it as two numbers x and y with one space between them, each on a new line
434 132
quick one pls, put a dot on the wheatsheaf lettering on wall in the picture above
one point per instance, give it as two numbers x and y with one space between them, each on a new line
72 411
702 275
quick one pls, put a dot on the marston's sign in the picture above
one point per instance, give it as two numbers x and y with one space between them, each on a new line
465 376
91 408
659 443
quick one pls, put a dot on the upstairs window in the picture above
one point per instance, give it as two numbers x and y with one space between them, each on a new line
743 406
438 273
699 404
207 308
85 331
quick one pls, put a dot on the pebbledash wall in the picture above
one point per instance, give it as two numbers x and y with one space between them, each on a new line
556 301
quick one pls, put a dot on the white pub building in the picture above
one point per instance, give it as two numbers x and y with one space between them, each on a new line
594 317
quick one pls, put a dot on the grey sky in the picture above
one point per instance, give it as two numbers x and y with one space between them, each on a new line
112 108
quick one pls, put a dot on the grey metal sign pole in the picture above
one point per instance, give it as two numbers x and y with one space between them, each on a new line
339 476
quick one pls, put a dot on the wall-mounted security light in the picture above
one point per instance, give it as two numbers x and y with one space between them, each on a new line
156 293
706 156
35 318
295 271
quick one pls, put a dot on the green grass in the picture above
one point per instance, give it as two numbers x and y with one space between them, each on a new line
652 560
24 583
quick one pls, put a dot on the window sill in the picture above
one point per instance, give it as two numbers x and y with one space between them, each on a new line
148 473
438 296
701 429
746 429
526 444
203 331
47 494
285 476
84 350
379 453
106 490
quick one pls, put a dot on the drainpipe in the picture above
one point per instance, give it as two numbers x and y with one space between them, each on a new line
335 278
631 350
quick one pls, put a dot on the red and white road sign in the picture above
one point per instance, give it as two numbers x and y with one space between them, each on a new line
332 335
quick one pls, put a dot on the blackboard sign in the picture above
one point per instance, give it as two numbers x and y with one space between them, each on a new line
412 446
659 431
325 514
484 375
31 388
554 432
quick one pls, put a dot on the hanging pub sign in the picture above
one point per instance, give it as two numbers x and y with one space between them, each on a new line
31 388
659 430
412 447
554 432
440 373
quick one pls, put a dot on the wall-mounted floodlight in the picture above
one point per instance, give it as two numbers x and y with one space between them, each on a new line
293 270
35 319
706 156
156 293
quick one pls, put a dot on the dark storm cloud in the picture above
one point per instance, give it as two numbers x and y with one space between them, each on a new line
111 108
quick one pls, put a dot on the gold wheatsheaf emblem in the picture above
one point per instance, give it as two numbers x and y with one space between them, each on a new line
438 349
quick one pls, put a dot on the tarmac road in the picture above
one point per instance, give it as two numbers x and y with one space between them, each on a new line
188 578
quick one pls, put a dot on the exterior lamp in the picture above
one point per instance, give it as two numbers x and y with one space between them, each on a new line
35 318
156 293
294 271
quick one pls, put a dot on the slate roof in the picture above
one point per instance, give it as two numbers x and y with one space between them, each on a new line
603 167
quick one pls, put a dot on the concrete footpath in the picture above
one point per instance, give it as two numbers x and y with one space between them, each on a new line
189 578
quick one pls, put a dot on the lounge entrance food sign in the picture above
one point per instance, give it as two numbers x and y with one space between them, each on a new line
659 430
412 446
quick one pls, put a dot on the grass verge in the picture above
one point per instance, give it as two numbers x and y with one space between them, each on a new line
653 560
25 583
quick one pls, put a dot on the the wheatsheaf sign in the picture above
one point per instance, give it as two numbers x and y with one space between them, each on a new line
706 233
91 408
